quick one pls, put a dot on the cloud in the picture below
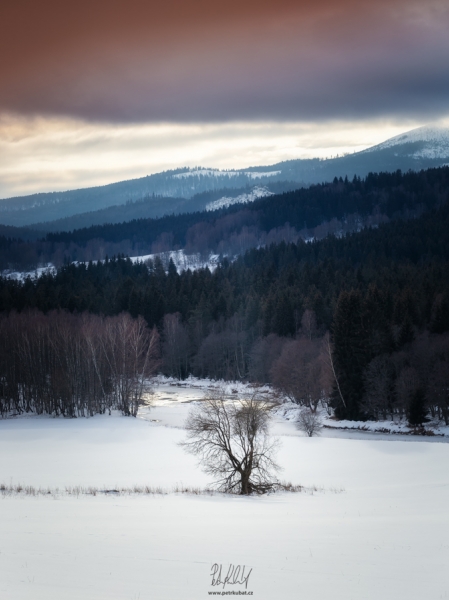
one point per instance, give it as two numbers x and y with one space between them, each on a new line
194 61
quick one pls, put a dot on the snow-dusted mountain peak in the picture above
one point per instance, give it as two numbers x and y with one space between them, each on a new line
433 139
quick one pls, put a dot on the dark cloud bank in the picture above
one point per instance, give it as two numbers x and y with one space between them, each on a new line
192 60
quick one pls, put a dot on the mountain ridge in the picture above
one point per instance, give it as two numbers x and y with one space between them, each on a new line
421 148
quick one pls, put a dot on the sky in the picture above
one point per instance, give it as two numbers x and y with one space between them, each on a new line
97 91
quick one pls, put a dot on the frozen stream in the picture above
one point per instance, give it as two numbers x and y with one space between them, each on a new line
171 400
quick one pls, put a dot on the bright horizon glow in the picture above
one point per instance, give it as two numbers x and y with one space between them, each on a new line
52 154
125 89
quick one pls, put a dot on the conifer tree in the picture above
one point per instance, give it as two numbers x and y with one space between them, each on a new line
406 333
416 412
350 355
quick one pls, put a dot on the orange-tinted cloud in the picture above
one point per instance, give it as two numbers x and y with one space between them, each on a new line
192 60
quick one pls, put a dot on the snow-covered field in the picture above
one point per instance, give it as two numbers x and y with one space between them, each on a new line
379 529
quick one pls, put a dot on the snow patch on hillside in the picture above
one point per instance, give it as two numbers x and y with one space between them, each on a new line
182 263
181 260
258 174
254 194
49 269
218 173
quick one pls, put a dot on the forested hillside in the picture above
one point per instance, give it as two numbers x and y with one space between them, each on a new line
313 213
155 206
164 193
382 293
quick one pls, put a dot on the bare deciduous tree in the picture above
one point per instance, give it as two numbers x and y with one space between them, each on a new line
302 373
308 324
330 371
264 353
232 441
380 394
406 385
131 352
75 365
223 354
309 422
438 389
175 346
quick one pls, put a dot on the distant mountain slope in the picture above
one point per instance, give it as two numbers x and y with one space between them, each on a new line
421 148
157 206
421 143
22 233
182 183
148 207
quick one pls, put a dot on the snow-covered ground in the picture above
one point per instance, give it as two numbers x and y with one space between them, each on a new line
378 529
434 430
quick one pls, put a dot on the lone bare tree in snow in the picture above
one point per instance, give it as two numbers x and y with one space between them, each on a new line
309 422
232 441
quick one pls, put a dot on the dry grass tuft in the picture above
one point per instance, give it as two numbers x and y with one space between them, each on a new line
141 490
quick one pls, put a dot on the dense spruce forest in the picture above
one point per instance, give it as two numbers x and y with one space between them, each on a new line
359 322
336 208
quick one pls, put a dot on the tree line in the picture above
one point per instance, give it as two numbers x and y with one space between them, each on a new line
74 364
